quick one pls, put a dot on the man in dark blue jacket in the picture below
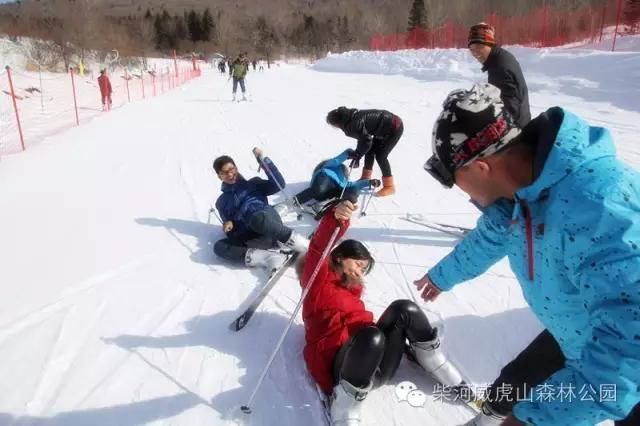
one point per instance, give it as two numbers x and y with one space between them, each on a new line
252 226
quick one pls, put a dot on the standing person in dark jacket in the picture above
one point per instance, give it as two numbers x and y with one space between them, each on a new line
252 226
504 72
377 131
346 352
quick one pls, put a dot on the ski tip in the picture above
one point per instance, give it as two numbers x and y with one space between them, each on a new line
237 325
245 409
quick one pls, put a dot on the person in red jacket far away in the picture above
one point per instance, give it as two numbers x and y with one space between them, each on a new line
347 353
105 89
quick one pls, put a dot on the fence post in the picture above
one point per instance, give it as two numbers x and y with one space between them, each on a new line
615 34
545 24
126 80
75 100
175 61
41 89
15 106
451 29
604 13
142 82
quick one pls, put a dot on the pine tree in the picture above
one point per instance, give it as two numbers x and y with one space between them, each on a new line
632 15
194 24
181 28
265 38
417 15
165 31
344 34
208 26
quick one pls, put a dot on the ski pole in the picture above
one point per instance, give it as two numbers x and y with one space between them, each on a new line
365 203
348 176
247 408
213 210
287 196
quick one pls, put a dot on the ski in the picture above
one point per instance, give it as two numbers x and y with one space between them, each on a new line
326 404
456 231
240 322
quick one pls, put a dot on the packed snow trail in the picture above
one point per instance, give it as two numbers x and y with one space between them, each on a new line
113 309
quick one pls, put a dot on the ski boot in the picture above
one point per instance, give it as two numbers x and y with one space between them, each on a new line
271 260
346 403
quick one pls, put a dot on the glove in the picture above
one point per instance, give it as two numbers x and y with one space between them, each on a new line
257 152
374 183
354 157
351 153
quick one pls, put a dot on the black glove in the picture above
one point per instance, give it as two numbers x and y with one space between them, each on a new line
354 157
259 154
374 183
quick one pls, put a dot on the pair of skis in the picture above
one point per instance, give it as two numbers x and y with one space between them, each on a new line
453 230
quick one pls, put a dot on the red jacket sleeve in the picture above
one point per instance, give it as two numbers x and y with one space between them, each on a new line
317 246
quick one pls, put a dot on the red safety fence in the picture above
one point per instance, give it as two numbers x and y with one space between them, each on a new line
34 105
542 27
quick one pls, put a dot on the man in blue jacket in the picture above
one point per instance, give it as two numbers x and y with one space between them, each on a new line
252 226
566 212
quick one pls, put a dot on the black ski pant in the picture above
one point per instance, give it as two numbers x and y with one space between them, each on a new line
530 368
373 354
266 229
324 188
381 149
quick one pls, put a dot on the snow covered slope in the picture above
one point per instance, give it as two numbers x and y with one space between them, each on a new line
113 309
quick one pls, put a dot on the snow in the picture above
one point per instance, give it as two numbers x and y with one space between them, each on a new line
113 309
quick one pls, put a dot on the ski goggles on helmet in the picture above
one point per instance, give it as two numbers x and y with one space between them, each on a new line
439 171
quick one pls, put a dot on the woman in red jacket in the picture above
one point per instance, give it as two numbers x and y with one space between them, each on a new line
346 352
105 89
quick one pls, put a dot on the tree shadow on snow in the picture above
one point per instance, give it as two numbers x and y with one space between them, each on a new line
292 402
136 413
